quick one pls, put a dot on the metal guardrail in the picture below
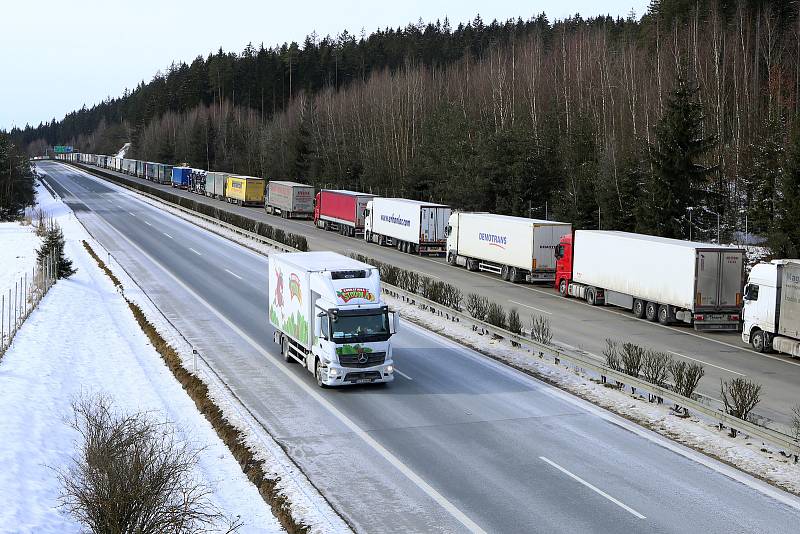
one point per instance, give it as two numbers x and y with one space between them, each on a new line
784 441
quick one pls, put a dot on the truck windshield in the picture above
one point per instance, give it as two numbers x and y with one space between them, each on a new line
361 328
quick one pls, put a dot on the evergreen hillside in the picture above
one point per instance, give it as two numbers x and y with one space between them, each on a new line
623 123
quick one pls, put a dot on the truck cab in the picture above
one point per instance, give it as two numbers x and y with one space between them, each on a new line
772 307
564 264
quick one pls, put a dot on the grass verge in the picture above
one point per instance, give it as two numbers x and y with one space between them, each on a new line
230 435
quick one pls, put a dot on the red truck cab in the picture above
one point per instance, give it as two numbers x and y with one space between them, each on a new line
564 264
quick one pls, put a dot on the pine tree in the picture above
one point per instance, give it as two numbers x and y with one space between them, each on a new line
53 246
679 176
785 237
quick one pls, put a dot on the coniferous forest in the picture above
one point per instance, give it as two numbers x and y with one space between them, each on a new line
660 124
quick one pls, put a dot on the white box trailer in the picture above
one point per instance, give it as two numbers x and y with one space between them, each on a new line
290 199
516 248
772 307
410 225
659 278
329 315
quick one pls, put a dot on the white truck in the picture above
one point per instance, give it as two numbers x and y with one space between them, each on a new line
290 199
660 279
329 316
772 307
410 225
516 248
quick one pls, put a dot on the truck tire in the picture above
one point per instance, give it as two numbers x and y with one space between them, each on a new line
472 265
318 374
664 314
563 287
591 296
760 341
504 273
451 258
513 275
651 312
638 308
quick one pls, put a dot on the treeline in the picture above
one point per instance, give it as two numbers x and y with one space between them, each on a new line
658 125
16 180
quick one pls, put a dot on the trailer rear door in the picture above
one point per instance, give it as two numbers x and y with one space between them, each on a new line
433 223
719 279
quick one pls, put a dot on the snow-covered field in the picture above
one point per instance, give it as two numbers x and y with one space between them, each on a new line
83 340
18 244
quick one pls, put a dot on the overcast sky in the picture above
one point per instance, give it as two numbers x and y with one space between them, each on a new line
57 56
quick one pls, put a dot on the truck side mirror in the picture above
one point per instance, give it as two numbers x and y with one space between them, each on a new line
395 321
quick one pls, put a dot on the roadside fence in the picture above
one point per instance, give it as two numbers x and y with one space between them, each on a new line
17 302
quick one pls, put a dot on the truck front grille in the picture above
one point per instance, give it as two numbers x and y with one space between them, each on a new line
363 375
353 360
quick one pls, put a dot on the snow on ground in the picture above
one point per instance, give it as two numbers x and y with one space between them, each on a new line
122 151
83 339
18 244
750 455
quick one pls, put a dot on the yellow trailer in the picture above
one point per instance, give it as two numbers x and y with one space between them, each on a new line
244 190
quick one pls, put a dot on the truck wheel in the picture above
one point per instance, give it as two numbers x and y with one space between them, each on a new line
651 311
562 287
664 315
513 275
504 273
638 308
591 296
760 341
451 258
318 374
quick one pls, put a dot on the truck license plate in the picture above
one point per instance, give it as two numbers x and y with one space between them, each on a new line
363 381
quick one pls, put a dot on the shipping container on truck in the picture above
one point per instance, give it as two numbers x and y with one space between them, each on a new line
141 169
409 225
329 316
197 181
341 210
215 184
164 173
516 248
290 199
180 177
660 279
244 190
772 307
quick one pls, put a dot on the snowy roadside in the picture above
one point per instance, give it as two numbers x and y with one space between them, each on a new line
83 340
18 244
306 504
749 455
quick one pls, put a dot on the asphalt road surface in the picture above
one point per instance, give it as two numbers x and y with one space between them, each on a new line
575 324
456 443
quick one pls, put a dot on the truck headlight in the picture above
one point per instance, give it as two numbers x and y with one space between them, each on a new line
390 368
333 372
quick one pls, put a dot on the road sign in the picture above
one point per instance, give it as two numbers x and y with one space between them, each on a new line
61 149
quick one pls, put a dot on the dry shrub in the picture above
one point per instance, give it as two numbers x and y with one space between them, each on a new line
655 367
540 329
477 306
611 353
632 356
514 322
740 396
685 377
496 316
133 474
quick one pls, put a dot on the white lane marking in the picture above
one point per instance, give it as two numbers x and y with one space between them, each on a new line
132 214
166 234
148 224
193 250
531 307
234 274
593 488
704 363
448 506
401 373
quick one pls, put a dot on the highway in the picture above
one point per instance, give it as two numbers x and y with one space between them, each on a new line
575 324
457 443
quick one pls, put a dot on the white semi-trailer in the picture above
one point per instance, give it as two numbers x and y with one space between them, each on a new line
329 316
659 279
410 225
516 248
772 307
290 199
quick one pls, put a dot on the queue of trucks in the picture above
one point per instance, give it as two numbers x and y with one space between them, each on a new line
657 279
